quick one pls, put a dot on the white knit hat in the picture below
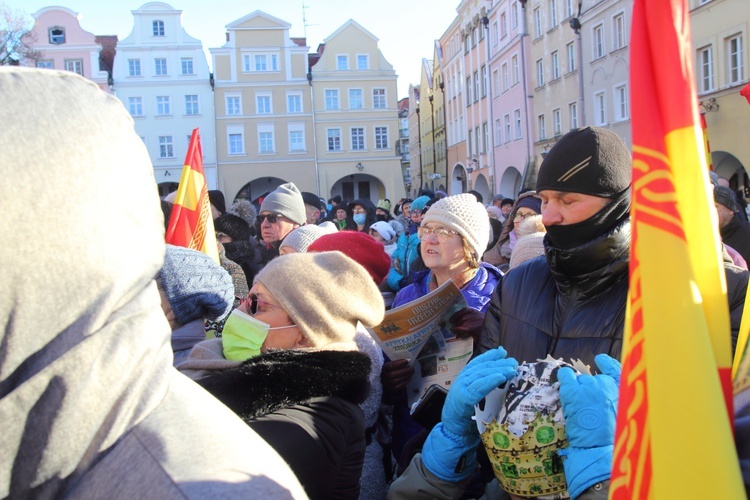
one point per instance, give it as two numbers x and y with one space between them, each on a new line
384 229
303 236
302 283
465 215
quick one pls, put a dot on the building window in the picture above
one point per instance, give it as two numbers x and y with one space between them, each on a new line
135 106
477 139
736 58
476 86
556 122
381 137
571 51
495 82
363 61
157 28
514 64
539 73
263 104
296 141
342 62
517 120
495 34
334 139
46 64
134 67
191 105
622 109
358 138
56 35
706 64
294 103
569 9
166 147
355 99
484 81
504 69
332 99
555 66
378 99
261 62
598 41
552 13
74 65
506 127
537 23
233 104
600 109
503 26
265 139
468 91
618 28
485 137
163 107
498 132
186 65
514 14
160 66
573 114
469 144
235 142
542 125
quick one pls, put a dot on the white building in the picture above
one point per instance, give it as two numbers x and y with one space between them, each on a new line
162 77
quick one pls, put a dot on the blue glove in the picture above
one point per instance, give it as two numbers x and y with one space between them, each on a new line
589 405
450 449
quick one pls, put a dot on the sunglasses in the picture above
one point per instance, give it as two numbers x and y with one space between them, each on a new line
255 302
272 218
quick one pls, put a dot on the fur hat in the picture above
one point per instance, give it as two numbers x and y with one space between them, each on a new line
303 236
591 160
420 203
385 230
530 241
245 209
465 215
361 247
216 198
384 205
233 226
302 285
495 212
286 200
725 196
195 285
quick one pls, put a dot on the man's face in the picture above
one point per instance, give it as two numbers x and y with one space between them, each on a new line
562 208
313 214
505 209
271 232
725 215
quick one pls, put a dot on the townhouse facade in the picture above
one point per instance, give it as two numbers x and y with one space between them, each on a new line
161 75
64 45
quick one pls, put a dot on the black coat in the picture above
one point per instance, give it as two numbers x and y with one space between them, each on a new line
305 405
568 303
736 234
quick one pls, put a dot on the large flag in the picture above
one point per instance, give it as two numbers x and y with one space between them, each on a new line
674 437
191 224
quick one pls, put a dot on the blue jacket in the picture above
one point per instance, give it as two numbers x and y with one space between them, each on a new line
407 249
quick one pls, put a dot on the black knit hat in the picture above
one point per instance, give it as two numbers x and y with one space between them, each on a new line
725 196
311 199
233 226
591 160
217 199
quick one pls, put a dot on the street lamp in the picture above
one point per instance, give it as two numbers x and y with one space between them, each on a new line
575 24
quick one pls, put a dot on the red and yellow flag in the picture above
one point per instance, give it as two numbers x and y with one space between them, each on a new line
674 437
191 224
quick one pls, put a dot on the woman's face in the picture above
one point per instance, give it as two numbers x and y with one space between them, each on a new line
269 311
522 214
416 216
442 255
377 236
406 208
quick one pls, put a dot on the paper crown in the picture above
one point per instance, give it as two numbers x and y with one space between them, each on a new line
384 204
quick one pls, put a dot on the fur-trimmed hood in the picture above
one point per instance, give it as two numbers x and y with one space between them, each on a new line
281 379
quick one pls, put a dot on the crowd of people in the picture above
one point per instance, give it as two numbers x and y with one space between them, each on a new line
135 368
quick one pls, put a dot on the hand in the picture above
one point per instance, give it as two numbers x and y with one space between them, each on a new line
467 323
395 375
476 380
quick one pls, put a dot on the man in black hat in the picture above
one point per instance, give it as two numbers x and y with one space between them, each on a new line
734 231
312 207
570 303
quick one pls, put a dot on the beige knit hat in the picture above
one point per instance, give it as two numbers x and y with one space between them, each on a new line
526 248
303 236
465 215
308 286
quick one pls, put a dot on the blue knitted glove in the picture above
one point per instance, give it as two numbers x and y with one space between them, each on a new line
450 450
589 405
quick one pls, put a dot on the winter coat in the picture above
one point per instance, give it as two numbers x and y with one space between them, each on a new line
248 255
737 281
185 338
407 250
304 403
736 234
568 303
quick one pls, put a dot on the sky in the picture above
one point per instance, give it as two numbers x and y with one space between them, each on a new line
406 30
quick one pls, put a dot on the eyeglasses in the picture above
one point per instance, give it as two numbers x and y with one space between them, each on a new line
272 218
414 212
441 234
255 301
523 216
359 211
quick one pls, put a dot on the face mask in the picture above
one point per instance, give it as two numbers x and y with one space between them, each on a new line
359 219
242 336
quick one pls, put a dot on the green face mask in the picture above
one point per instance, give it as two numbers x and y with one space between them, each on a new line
243 336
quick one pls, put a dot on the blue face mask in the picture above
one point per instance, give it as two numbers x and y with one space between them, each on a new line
359 219
329 207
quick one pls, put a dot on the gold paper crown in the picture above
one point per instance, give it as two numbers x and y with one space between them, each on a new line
528 465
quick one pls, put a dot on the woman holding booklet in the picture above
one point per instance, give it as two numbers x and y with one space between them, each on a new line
453 233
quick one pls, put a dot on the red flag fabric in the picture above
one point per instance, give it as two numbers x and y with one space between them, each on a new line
191 224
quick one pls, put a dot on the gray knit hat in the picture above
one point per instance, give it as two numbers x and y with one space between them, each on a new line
286 200
303 236
195 285
465 215
725 196
301 284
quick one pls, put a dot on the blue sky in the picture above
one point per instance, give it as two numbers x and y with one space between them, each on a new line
406 30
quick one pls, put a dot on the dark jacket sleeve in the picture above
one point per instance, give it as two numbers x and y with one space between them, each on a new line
490 336
737 280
